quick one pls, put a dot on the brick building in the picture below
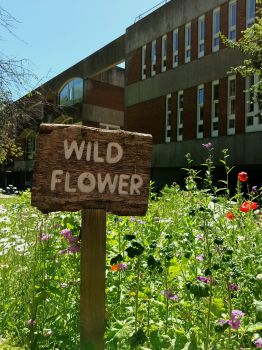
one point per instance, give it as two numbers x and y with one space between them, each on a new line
179 89
176 85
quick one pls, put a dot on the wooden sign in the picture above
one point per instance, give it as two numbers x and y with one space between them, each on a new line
79 167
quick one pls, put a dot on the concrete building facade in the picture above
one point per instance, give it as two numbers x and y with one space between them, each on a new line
177 85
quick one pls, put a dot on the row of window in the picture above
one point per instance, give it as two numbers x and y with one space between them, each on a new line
253 110
232 21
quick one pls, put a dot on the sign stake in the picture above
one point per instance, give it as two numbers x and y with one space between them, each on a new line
92 290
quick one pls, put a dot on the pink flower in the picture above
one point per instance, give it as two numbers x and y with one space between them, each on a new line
235 321
237 314
169 294
200 237
200 257
233 286
45 237
203 279
66 233
207 146
74 248
258 343
122 266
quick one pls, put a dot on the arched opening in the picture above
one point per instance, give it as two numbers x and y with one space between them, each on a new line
71 93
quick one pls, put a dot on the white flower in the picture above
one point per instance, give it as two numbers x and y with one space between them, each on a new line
4 266
2 209
5 219
21 247
5 230
4 251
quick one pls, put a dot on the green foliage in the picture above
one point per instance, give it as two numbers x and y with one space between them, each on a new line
9 149
250 45
173 277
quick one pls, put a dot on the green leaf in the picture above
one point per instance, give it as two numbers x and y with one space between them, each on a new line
254 327
159 341
217 307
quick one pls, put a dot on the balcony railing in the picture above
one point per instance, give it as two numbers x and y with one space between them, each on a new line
138 18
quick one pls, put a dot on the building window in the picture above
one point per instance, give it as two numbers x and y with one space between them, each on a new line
201 36
253 106
200 110
188 42
164 53
153 58
109 126
214 108
71 93
250 11
231 105
216 29
168 118
232 20
180 115
175 48
144 62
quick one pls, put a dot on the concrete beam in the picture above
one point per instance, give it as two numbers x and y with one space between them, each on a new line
168 17
203 70
102 115
97 63
243 150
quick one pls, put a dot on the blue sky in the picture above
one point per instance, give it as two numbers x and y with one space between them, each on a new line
55 34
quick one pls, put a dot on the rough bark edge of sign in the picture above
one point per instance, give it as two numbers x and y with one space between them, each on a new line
46 128
130 211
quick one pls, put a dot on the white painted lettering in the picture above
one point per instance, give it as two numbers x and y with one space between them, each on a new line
106 182
97 159
122 183
73 148
54 179
113 159
67 184
86 188
135 183
88 151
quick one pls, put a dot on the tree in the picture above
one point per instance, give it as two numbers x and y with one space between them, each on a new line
250 45
15 75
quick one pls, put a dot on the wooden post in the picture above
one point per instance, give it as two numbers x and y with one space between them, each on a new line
92 290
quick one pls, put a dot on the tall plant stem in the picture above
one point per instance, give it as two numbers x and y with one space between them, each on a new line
137 291
230 311
208 317
210 292
167 300
119 272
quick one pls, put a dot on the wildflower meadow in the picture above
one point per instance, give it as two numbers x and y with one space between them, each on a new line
187 276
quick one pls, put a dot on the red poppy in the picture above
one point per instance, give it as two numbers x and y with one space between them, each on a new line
230 215
254 205
247 206
242 176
